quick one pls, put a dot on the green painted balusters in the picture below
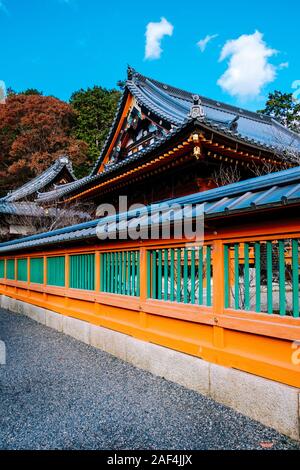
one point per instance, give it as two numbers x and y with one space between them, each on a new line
176 274
120 273
2 268
166 270
282 283
257 255
22 273
185 276
246 277
270 277
193 275
82 271
37 270
200 276
236 277
226 277
178 277
208 276
295 277
172 274
10 269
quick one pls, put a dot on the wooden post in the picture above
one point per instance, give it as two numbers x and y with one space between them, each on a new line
143 291
218 277
218 291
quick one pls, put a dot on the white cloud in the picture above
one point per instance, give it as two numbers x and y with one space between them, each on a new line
202 44
154 35
284 65
249 69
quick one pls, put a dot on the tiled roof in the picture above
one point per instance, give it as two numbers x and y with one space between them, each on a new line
31 209
173 105
41 181
269 191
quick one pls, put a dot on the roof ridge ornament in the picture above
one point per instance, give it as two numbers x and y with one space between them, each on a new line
234 124
197 111
130 72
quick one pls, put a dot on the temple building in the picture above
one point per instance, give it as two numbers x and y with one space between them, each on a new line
20 214
165 142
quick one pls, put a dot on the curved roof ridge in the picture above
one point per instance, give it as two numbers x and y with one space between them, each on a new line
216 104
41 180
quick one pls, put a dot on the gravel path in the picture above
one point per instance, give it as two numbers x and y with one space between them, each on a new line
58 393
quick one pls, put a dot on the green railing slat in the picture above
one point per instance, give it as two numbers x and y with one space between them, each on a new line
236 277
159 275
208 276
172 274
105 272
166 284
115 272
127 272
295 275
246 276
281 278
138 287
108 272
154 272
123 273
257 277
226 277
149 277
200 276
119 273
193 271
178 283
10 269
132 274
82 271
185 275
22 273
269 277
2 268
112 274
37 270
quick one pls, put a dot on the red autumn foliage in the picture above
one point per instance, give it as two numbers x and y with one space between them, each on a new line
34 131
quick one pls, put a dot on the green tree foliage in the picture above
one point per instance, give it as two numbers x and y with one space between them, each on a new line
285 108
95 108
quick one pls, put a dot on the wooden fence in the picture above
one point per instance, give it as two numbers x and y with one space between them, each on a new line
233 301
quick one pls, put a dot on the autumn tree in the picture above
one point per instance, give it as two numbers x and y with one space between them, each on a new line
95 109
34 131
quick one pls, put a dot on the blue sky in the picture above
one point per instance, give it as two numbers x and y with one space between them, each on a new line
59 46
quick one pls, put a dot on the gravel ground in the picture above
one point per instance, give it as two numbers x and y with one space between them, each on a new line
58 393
